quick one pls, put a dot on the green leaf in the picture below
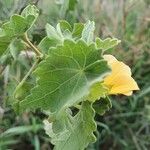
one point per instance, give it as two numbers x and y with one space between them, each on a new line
65 25
77 132
61 32
66 76
72 4
77 30
23 91
46 43
4 42
56 36
17 26
107 43
53 33
31 14
103 105
15 47
88 31
65 29
97 91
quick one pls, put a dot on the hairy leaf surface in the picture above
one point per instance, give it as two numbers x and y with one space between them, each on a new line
97 91
107 43
103 105
77 132
66 76
88 31
17 26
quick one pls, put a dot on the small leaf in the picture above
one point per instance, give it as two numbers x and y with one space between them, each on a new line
107 43
65 29
88 31
77 30
31 13
77 131
64 25
46 43
66 76
103 105
53 34
4 42
17 26
97 91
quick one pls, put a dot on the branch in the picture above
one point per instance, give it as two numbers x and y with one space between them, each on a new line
36 50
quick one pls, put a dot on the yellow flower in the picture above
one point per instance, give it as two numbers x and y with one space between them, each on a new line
120 80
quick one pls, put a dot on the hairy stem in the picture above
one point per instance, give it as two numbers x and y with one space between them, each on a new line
36 50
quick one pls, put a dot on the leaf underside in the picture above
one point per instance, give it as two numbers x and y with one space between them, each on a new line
77 131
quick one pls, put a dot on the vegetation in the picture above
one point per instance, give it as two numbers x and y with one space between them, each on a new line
126 125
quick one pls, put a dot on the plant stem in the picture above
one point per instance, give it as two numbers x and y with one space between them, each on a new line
26 39
25 77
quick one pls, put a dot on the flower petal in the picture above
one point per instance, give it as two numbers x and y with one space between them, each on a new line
124 84
110 59
128 94
120 80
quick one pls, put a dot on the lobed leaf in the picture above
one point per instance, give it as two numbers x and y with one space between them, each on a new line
107 43
31 14
88 32
17 26
66 76
97 91
77 30
76 132
46 43
103 105
65 25
56 36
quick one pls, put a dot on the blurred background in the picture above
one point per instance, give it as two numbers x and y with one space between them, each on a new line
127 125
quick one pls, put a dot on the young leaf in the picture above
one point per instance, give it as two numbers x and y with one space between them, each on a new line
31 13
54 37
96 92
46 43
65 25
107 43
77 30
103 105
53 34
15 47
77 132
88 31
66 76
17 26
4 42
